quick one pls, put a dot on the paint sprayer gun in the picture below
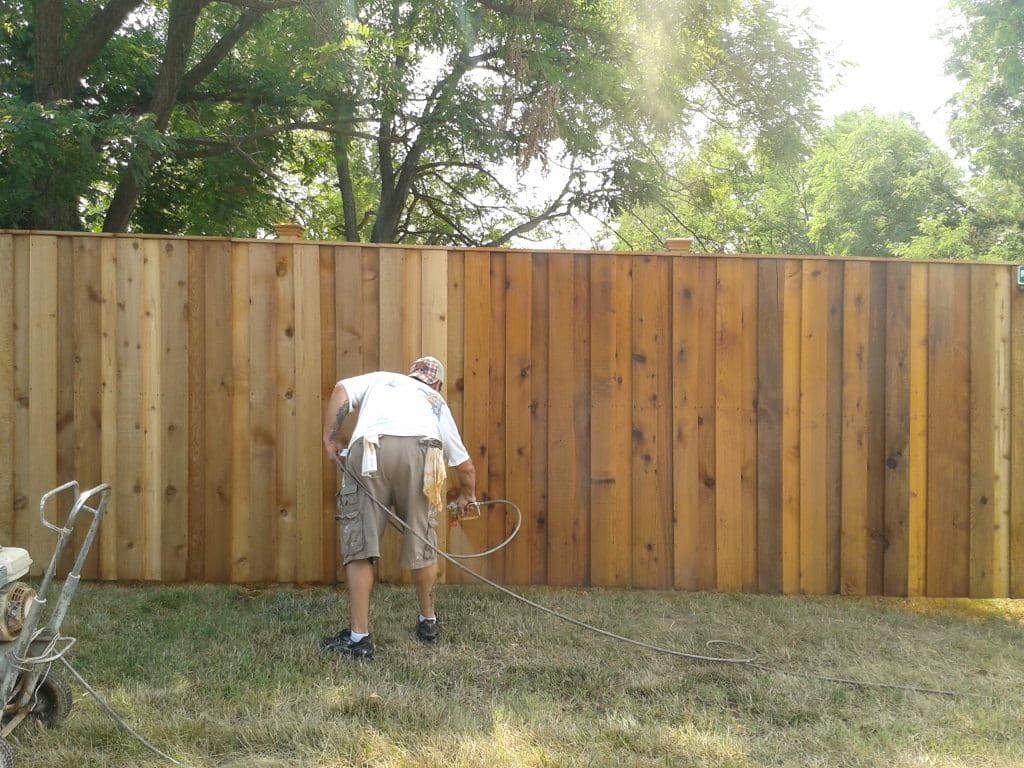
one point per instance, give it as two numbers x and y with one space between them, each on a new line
472 511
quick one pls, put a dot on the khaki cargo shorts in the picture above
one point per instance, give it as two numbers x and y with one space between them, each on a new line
398 485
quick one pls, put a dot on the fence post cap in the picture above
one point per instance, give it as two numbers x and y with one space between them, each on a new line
287 229
679 244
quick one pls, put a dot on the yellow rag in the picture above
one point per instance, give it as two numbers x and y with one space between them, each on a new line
434 477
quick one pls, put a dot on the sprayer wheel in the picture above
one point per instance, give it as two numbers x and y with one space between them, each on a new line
52 702
6 755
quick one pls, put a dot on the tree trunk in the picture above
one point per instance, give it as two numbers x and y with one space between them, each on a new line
180 36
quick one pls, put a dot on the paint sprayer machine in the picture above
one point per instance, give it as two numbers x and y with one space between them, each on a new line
30 639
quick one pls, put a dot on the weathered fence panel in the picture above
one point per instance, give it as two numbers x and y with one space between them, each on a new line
772 424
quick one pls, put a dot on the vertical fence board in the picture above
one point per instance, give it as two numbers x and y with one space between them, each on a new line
856 420
42 392
87 407
917 446
610 521
24 508
472 537
863 439
455 272
948 534
330 565
1001 427
433 326
8 317
814 429
791 448
173 426
496 474
897 430
694 317
241 539
131 417
220 389
982 425
652 424
108 540
1016 521
770 338
197 394
518 399
582 410
396 302
736 425
565 532
690 536
261 430
64 373
537 514
707 440
151 408
287 433
311 523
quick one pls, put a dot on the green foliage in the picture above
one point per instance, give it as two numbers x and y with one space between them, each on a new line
865 187
870 180
431 118
987 127
57 156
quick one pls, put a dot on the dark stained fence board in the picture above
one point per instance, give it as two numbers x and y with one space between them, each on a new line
770 339
897 430
948 537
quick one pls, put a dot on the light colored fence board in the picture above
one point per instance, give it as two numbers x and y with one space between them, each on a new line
663 420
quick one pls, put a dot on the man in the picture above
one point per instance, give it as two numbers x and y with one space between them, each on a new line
403 434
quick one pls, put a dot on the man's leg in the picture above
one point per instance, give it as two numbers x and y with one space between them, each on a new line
424 579
359 574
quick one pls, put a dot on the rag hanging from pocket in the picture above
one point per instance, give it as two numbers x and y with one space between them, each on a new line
370 445
434 477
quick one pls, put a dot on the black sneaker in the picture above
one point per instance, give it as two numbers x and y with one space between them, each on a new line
342 643
427 630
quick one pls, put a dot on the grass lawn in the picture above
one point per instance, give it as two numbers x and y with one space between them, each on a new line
229 676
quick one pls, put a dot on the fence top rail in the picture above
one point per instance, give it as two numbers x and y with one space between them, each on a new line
485 249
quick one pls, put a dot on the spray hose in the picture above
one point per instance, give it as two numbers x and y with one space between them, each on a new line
743 656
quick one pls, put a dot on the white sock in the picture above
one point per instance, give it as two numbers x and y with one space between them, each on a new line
427 618
357 636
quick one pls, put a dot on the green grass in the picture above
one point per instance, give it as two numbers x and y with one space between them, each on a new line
228 676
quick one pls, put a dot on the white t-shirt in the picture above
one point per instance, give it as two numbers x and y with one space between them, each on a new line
399 405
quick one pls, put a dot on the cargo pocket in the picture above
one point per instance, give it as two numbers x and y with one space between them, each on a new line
353 537
430 545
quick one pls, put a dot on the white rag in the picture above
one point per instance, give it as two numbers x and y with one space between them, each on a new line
370 445
434 476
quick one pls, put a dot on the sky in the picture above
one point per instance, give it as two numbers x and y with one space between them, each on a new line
895 62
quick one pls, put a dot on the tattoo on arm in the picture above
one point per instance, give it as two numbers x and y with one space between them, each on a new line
338 420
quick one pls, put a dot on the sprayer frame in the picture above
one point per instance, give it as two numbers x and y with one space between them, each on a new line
21 672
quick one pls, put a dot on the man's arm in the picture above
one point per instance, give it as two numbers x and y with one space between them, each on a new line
334 416
466 473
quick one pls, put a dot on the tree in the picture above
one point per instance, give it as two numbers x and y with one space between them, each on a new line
730 198
411 119
987 124
865 187
871 179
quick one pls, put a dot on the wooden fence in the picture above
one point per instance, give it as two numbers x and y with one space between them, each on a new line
798 425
